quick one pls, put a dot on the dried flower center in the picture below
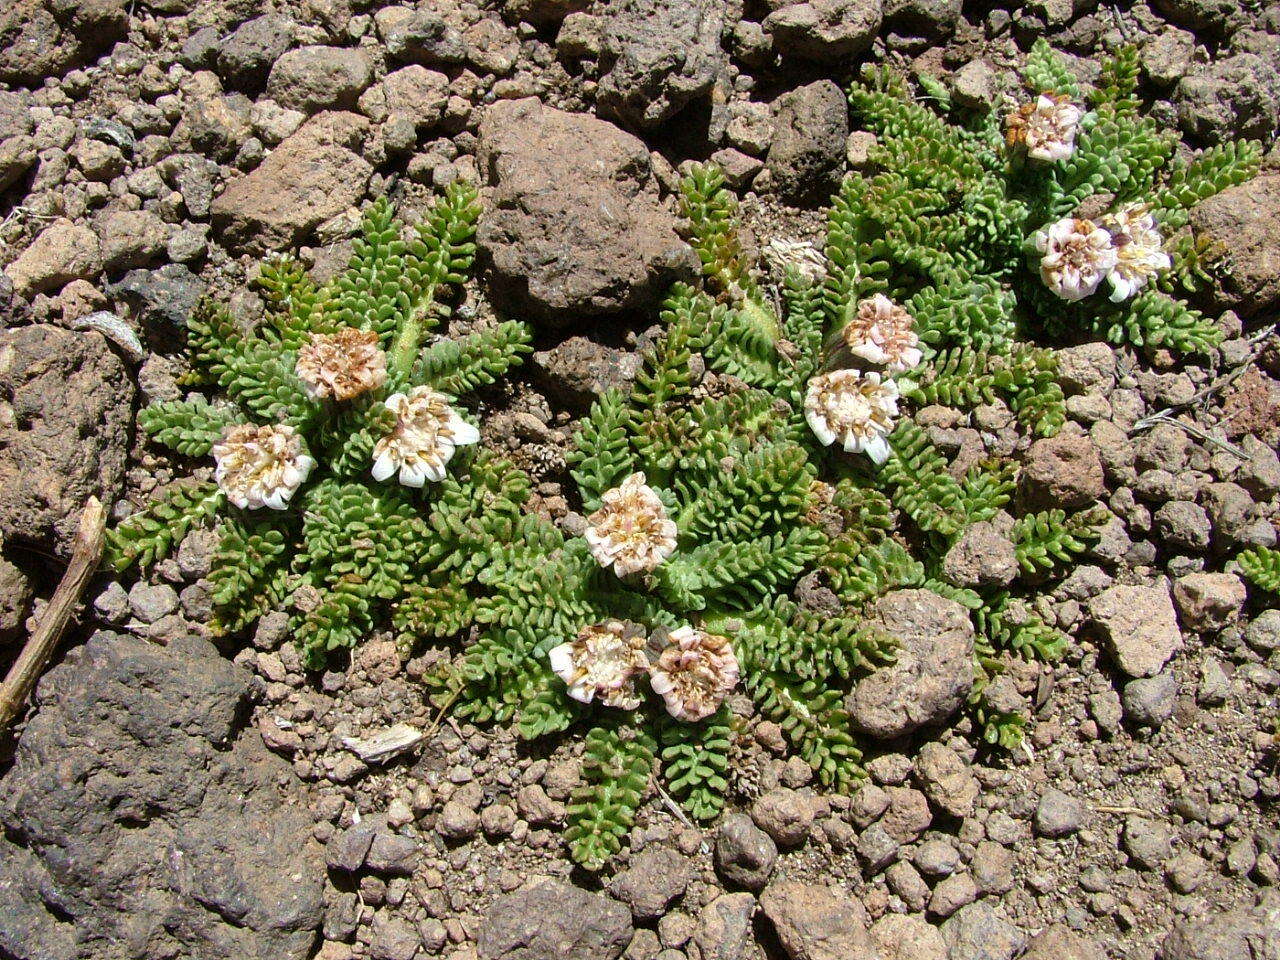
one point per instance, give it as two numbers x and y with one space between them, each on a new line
342 365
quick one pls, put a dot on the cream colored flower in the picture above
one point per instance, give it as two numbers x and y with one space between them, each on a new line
883 333
1046 127
694 673
856 408
798 255
1077 254
426 433
261 466
1139 250
631 531
602 662
342 365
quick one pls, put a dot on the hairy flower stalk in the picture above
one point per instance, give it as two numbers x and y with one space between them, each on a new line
631 531
1076 256
695 673
883 333
1046 127
857 409
261 466
602 662
342 365
426 433
1139 250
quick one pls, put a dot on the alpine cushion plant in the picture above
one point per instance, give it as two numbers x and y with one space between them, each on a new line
702 512
1066 213
340 477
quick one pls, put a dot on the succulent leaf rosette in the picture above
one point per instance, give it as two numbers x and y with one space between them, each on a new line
337 434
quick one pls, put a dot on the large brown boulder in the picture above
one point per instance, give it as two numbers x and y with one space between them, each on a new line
933 670
575 227
549 919
143 820
314 175
1245 220
66 402
658 56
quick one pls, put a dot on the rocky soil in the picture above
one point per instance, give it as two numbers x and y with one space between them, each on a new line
166 798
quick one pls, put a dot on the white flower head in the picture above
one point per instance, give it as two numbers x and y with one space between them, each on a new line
883 333
342 365
694 673
1046 127
426 433
855 408
1076 256
261 466
602 662
631 531
1139 250
798 255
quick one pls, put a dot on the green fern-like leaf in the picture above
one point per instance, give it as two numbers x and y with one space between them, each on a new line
456 367
695 763
616 767
151 534
190 427
1261 565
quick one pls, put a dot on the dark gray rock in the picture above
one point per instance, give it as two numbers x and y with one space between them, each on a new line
825 31
65 413
1251 933
161 301
982 932
1058 814
1235 97
578 370
40 40
656 57
933 672
655 878
1149 701
724 926
552 920
341 916
141 821
808 150
15 114
348 850
575 228
925 19
817 922
245 56
744 853
320 78
16 593
1218 17
419 36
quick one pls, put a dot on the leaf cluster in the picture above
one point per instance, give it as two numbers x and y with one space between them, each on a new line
347 548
